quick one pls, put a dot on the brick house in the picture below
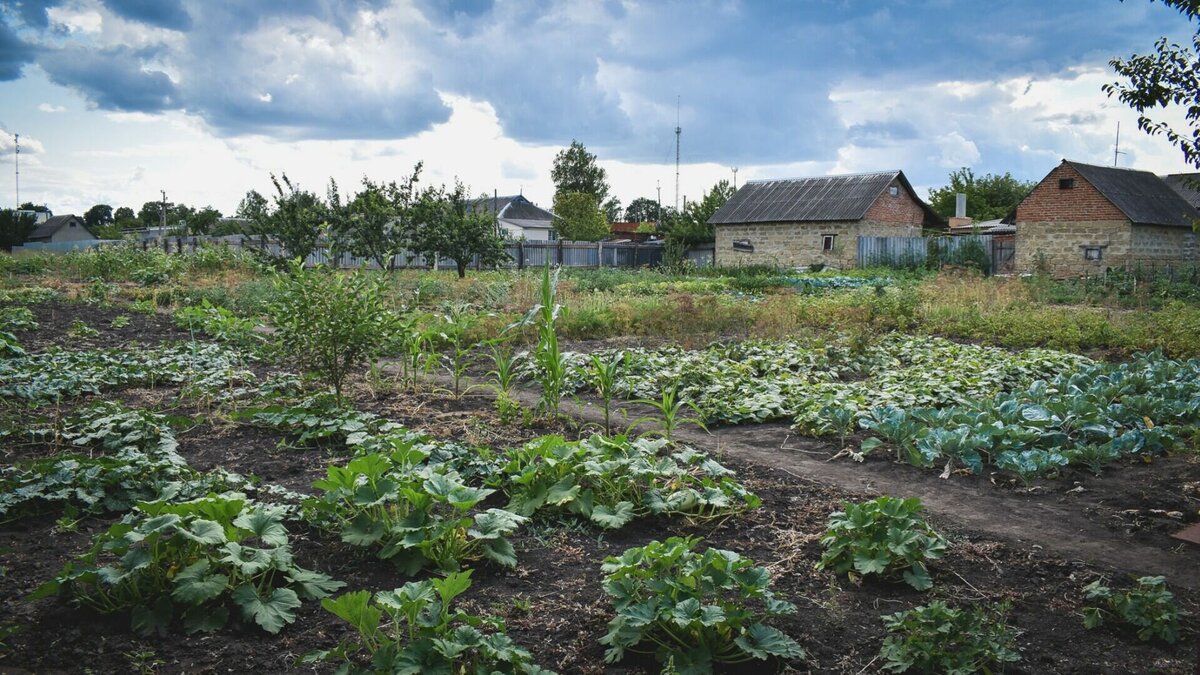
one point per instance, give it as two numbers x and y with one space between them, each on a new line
1084 219
802 221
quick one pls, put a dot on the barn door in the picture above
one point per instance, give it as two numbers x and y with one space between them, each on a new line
1004 250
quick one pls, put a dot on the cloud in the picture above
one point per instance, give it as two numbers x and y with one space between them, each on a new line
169 14
14 52
50 108
118 79
29 145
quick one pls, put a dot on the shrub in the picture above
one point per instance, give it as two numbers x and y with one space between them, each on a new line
1149 607
331 324
692 609
413 630
885 536
935 638
191 561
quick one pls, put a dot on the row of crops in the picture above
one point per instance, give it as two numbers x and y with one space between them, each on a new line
929 400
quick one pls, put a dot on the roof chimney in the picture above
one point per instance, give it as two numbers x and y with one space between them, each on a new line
960 205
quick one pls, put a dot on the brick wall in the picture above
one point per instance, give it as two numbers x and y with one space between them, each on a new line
902 208
1049 203
1060 246
799 244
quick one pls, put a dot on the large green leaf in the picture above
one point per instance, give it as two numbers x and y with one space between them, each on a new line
501 551
154 618
272 612
265 524
312 585
355 609
363 531
204 532
763 642
613 517
193 585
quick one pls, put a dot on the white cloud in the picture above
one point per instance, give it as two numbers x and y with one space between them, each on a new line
49 108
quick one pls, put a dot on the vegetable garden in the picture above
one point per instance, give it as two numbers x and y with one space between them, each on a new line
211 466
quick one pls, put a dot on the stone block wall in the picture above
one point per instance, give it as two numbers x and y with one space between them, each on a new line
1156 244
799 244
1060 246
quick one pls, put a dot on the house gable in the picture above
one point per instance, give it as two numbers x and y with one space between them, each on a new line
897 204
1051 201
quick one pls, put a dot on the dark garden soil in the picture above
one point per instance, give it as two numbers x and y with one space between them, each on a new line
1034 548
55 321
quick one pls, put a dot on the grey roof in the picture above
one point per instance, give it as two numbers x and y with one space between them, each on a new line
1187 185
1142 196
821 198
54 224
513 208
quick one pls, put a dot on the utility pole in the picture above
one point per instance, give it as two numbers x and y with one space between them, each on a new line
17 166
658 186
162 215
678 130
735 178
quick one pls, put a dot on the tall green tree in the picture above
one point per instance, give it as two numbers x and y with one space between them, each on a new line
449 227
989 197
204 221
98 215
150 215
378 222
125 218
295 220
14 228
577 217
1168 77
691 226
641 210
575 170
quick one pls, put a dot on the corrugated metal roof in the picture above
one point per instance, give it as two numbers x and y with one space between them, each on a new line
1142 196
820 198
1186 185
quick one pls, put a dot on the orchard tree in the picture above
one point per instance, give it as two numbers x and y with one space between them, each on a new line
204 221
377 223
98 215
295 220
641 210
125 218
578 218
15 228
691 226
450 227
575 170
989 197
1168 77
151 214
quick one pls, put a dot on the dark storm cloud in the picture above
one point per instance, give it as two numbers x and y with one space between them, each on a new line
112 79
170 14
14 53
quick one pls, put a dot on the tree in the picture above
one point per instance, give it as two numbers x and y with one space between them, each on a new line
378 223
1170 76
989 197
98 215
204 221
451 228
612 210
641 210
39 208
295 220
578 218
252 206
150 215
691 226
575 170
15 228
125 218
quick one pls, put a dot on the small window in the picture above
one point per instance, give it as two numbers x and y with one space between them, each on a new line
894 191
1066 183
1094 253
827 241
743 245
553 235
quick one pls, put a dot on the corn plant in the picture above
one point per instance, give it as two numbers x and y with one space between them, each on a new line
551 365
415 341
936 638
414 630
692 609
504 377
670 408
605 376
455 323
416 519
191 562
885 536
1149 608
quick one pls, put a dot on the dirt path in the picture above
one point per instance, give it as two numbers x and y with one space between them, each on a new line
1044 527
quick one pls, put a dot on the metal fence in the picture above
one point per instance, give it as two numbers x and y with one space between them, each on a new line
912 252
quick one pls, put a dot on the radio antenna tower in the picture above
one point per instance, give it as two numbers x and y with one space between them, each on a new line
678 130
17 167
1117 152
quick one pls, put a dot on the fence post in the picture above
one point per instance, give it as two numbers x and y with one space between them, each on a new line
560 252
599 254
520 255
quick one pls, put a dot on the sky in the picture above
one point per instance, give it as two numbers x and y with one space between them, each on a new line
117 100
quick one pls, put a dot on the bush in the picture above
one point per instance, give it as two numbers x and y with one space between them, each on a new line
329 323
885 536
936 638
1150 608
692 609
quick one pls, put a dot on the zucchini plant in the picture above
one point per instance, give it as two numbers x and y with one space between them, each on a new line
414 518
414 630
611 481
692 609
884 536
937 638
192 562
1148 607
